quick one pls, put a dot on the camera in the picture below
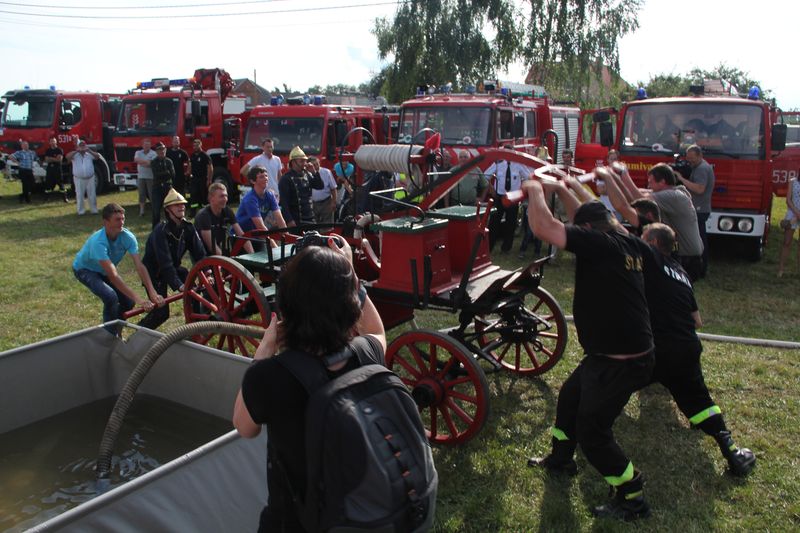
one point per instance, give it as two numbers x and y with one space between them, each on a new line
682 167
313 238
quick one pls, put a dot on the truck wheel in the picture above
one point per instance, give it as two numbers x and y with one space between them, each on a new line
755 249
223 176
102 174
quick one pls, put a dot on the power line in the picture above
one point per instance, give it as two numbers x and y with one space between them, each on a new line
189 29
17 4
199 15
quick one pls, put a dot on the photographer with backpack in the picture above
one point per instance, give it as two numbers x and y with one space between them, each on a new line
335 416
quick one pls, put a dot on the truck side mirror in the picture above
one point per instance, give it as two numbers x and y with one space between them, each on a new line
601 116
519 126
606 134
779 137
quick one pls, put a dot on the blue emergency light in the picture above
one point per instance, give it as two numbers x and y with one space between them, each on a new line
319 99
641 94
306 99
754 94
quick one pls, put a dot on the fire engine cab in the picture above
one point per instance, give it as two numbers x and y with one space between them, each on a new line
491 116
197 108
742 138
319 128
37 115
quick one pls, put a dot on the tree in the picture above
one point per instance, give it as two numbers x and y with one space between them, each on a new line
739 78
570 41
667 85
441 41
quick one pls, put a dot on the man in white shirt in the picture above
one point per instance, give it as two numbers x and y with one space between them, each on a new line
323 201
269 161
144 177
503 221
83 178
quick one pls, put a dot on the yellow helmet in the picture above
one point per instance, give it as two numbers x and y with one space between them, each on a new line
297 153
173 198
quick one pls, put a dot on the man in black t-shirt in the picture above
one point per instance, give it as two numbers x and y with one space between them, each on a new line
214 222
53 157
202 172
180 160
613 328
674 316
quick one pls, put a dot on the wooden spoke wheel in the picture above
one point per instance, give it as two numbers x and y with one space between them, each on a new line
527 339
446 382
219 288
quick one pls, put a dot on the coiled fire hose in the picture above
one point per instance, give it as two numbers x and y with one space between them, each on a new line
125 398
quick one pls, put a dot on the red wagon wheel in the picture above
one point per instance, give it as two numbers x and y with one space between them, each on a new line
219 288
527 339
446 382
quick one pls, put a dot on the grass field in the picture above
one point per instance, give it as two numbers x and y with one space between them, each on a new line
485 485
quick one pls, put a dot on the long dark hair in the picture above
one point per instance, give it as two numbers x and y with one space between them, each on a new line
318 301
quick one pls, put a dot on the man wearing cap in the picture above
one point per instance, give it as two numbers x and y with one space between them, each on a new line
95 266
613 325
295 189
163 174
202 172
166 246
144 176
24 157
83 178
269 161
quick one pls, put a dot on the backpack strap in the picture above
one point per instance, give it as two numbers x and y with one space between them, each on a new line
311 371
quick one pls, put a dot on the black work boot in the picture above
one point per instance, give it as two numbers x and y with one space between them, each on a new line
559 461
628 502
740 460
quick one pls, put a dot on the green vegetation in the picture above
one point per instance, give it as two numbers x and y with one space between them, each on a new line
485 485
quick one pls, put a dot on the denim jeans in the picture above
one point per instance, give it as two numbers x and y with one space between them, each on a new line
115 303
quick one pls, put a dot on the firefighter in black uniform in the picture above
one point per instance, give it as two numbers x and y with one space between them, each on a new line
613 326
166 246
674 316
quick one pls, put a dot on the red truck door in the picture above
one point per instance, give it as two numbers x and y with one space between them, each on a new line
595 124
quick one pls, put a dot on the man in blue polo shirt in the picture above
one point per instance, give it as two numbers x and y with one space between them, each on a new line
96 267
258 209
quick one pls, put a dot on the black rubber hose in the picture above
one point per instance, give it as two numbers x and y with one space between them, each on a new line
125 398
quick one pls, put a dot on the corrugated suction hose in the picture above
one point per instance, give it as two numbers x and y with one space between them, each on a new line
125 398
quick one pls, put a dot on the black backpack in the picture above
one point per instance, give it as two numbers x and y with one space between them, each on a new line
369 463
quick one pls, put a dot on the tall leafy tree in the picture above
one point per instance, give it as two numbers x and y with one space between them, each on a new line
568 42
463 41
441 41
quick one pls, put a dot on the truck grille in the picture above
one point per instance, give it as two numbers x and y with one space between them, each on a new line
125 153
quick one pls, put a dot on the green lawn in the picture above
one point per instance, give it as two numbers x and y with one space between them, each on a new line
484 484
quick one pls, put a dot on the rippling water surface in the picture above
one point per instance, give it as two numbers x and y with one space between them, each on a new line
47 467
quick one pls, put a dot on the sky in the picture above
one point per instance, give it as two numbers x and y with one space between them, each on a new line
108 46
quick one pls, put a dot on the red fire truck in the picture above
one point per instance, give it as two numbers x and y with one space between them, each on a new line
36 115
313 125
742 138
499 114
201 107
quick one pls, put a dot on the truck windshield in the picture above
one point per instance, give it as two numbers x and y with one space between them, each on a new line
149 117
722 128
22 112
458 125
286 133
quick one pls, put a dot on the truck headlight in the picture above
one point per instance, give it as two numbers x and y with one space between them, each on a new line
745 225
726 223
